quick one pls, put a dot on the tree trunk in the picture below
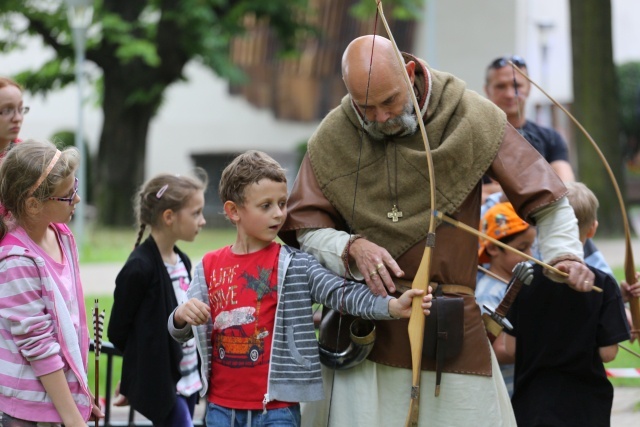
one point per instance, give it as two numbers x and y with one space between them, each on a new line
121 155
595 106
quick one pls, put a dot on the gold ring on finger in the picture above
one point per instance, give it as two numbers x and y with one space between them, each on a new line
379 266
373 273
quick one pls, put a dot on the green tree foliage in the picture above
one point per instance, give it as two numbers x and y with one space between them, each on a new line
141 47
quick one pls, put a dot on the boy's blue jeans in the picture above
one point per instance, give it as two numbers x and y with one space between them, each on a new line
218 416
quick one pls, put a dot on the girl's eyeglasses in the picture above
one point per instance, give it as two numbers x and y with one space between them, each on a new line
68 199
10 112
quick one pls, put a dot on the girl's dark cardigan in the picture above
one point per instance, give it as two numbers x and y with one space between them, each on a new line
143 300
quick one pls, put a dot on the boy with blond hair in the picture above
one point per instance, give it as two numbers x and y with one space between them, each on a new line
561 338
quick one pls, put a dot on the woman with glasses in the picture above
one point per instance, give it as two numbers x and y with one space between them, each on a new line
11 113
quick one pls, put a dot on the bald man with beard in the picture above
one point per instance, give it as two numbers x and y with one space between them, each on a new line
360 204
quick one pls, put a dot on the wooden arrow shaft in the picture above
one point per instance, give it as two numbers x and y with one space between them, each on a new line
497 242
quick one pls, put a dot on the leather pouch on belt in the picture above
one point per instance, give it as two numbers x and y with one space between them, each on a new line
444 331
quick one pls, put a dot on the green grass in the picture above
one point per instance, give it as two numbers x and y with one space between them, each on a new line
114 245
624 358
104 302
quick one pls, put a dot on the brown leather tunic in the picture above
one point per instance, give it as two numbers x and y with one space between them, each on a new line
529 183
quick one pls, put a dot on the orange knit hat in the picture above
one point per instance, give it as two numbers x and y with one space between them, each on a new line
499 222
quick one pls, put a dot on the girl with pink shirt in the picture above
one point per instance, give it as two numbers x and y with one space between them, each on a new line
44 339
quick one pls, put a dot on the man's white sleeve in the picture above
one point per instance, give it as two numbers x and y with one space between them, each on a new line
327 245
557 229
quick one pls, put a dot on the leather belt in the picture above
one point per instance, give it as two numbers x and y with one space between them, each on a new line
404 285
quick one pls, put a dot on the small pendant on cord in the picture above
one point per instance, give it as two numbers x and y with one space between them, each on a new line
394 214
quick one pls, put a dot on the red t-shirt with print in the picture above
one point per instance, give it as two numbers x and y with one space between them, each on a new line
243 299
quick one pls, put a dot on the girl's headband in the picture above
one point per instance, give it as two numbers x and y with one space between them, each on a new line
45 173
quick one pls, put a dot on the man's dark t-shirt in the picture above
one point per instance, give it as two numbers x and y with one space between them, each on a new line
546 141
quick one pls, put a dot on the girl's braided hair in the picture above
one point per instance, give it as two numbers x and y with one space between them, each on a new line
162 192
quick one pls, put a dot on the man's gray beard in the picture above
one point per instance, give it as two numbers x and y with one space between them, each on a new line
405 124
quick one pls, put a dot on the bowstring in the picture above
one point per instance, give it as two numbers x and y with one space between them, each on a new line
353 207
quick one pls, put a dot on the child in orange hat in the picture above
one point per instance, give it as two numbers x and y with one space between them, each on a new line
502 223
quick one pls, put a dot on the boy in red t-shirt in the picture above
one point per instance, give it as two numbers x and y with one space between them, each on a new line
250 306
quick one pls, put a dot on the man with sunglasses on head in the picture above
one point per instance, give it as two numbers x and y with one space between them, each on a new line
509 90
